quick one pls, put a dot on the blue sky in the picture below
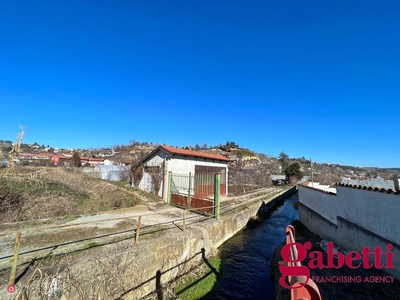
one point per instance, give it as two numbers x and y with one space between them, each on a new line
319 79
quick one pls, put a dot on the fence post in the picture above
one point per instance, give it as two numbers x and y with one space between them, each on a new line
190 186
15 260
217 194
169 187
138 230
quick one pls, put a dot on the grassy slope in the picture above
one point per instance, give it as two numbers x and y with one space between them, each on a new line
36 193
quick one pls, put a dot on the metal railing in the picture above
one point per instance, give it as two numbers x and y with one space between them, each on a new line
303 288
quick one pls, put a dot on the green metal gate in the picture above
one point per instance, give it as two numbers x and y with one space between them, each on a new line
190 191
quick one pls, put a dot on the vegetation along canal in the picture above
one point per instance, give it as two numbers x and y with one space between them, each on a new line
246 257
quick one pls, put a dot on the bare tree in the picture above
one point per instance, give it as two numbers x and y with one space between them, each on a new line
324 176
137 173
238 178
156 175
76 160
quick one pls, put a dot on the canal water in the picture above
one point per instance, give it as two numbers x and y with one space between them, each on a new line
247 256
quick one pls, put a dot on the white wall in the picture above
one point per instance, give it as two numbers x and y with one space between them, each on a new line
179 165
322 203
354 218
146 184
378 212
184 165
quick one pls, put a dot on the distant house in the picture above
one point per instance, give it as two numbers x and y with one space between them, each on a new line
32 156
278 179
166 159
35 146
66 159
35 158
67 154
6 144
107 152
91 161
377 182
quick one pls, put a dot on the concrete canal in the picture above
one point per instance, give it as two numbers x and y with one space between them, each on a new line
247 256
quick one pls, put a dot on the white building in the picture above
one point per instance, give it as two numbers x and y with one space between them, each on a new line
107 152
378 182
166 159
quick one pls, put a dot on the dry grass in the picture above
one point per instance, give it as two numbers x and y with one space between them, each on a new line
93 278
116 274
31 193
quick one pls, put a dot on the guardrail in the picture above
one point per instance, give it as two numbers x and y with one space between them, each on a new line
302 289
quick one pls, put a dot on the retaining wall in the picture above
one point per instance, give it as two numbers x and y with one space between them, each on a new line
163 259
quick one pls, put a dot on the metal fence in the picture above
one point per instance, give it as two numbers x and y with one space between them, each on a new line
193 192
182 184
200 185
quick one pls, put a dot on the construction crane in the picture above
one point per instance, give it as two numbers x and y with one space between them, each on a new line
16 149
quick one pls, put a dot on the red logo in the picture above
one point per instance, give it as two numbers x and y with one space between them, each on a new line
11 288
291 266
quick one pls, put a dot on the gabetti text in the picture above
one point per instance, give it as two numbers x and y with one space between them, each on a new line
352 260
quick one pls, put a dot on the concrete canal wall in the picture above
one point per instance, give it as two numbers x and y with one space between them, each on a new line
164 258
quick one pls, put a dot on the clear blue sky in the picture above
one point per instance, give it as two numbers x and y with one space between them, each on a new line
319 79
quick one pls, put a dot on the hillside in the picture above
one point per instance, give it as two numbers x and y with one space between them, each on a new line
33 193
248 170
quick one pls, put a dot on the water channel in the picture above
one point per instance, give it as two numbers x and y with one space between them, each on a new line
246 257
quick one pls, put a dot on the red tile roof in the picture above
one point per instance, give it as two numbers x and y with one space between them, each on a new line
92 158
183 152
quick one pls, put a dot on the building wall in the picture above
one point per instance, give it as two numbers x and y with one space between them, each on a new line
323 203
184 165
176 164
146 182
354 218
